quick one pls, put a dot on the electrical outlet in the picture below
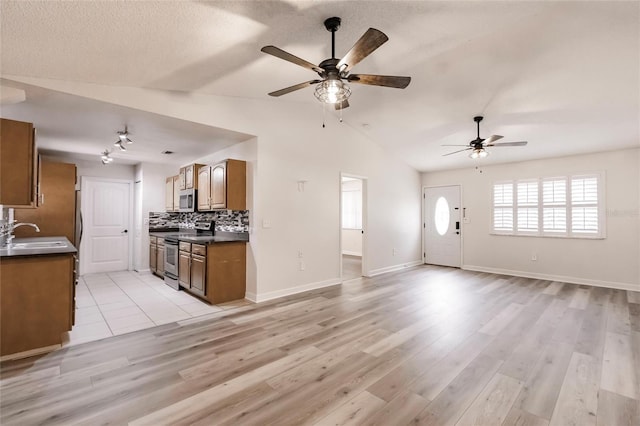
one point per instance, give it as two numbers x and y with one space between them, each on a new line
266 223
534 257
394 251
301 265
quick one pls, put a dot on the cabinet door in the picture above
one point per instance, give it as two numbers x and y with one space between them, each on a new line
198 274
153 257
160 261
218 186
18 164
188 176
176 193
182 178
168 194
184 269
203 188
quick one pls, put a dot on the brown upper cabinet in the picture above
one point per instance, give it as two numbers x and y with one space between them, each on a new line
172 194
18 164
188 176
168 194
223 186
56 210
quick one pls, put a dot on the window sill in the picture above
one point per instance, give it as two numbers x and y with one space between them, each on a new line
566 237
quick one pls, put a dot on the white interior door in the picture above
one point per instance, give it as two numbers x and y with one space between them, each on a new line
442 226
106 213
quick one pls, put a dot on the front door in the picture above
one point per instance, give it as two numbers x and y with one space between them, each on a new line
442 228
106 214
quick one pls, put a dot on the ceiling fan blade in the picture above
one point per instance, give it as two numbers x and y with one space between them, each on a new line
294 88
342 105
279 53
455 152
370 41
456 145
509 144
491 139
380 80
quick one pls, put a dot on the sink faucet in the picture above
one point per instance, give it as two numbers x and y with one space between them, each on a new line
6 231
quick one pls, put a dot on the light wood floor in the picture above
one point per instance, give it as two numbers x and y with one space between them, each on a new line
427 345
351 267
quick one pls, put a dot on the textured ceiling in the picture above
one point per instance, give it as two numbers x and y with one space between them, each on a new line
564 76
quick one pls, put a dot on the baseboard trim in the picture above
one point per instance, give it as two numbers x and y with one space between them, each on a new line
559 278
352 253
29 353
393 268
251 297
257 298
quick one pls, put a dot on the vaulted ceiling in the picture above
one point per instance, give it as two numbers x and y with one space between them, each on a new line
564 76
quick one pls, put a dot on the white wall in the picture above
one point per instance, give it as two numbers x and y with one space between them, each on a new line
293 146
152 177
612 261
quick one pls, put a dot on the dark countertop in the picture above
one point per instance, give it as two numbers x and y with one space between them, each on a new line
219 237
62 246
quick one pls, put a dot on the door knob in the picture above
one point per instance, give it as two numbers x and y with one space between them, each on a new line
125 231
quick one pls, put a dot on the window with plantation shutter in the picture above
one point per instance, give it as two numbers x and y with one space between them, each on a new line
564 206
584 204
503 207
527 210
554 205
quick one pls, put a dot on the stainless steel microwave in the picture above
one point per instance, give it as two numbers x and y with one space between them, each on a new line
188 200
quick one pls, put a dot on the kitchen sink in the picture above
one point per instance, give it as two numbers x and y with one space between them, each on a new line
38 245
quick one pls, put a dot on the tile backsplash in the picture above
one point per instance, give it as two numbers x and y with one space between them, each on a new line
226 220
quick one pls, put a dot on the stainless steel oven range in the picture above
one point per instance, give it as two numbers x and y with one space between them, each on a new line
171 262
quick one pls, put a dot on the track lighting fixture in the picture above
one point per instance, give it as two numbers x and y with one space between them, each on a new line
120 145
106 159
123 137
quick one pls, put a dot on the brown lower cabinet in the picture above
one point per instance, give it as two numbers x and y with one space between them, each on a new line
36 301
156 255
215 272
192 268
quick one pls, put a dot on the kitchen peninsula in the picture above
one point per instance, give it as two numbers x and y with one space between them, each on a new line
37 294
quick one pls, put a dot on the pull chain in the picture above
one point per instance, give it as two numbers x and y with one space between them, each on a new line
323 114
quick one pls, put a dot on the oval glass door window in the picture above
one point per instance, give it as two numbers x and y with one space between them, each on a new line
441 216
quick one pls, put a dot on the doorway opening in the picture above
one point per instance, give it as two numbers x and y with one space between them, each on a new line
352 225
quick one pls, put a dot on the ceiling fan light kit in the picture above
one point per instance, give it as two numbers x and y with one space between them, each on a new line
332 88
478 153
332 91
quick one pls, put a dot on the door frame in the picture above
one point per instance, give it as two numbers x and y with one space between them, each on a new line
82 250
365 246
462 221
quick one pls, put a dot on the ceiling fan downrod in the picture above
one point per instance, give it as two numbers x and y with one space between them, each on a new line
332 25
478 119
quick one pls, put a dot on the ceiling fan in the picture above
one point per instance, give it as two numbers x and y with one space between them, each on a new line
478 145
332 87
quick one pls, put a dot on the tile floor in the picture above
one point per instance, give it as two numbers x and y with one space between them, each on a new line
115 303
